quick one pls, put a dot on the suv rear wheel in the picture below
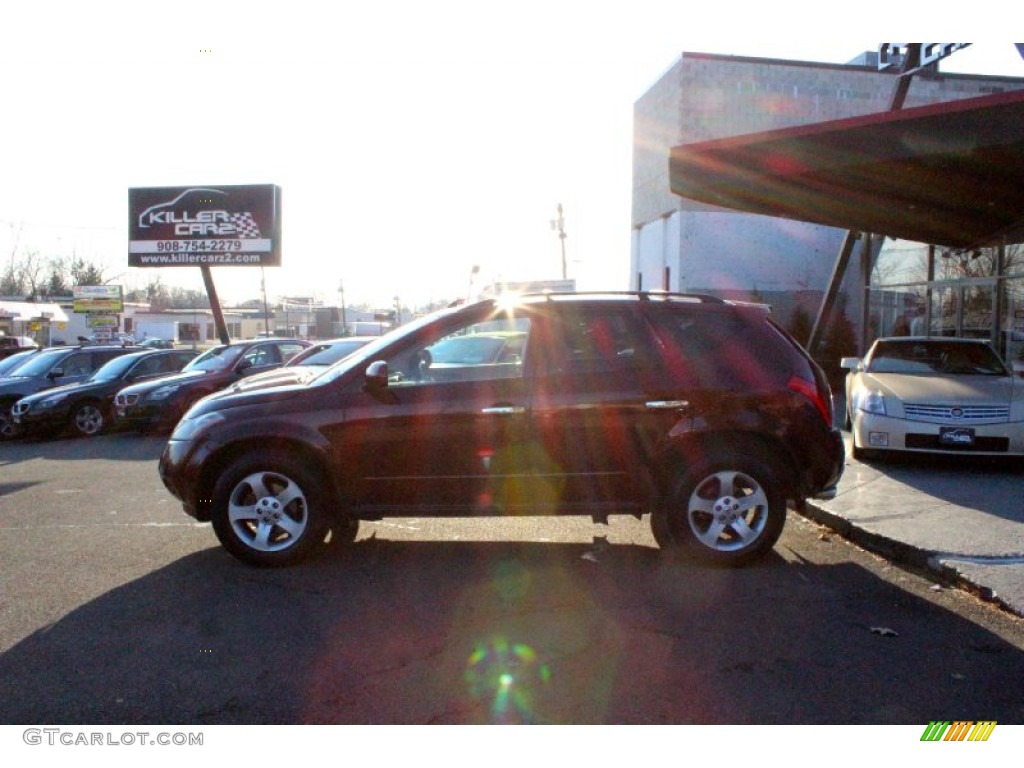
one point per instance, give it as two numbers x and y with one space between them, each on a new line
725 510
269 510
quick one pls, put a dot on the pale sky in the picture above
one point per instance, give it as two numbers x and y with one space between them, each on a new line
411 140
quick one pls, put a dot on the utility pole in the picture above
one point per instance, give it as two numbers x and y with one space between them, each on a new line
344 324
559 224
266 311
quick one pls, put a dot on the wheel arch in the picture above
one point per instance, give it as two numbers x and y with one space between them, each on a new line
687 450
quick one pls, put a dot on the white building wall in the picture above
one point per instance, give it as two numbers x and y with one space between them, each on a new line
703 97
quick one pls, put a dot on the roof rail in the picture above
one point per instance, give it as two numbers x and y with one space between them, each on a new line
641 295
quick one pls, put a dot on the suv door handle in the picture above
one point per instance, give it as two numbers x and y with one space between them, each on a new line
667 405
503 410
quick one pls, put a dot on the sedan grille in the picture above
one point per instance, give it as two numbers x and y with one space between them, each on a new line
960 414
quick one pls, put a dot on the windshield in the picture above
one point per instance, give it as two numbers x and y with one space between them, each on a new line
9 364
40 364
327 354
936 357
114 369
217 359
368 352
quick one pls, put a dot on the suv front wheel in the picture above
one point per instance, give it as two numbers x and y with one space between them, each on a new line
269 510
725 510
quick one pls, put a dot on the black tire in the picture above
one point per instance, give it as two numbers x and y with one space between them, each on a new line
8 430
864 454
88 419
725 510
343 531
269 510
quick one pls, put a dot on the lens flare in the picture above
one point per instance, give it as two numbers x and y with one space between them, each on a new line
507 676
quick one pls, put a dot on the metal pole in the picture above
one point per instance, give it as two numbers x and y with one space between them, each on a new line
560 221
218 316
266 312
344 324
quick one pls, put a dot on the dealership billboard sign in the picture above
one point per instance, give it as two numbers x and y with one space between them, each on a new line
205 226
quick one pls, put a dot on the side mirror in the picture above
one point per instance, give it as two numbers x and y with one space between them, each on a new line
56 373
243 366
377 375
850 363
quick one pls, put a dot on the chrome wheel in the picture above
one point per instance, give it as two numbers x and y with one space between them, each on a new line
88 420
268 511
728 511
270 508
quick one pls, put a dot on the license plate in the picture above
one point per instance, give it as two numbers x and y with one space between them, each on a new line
956 436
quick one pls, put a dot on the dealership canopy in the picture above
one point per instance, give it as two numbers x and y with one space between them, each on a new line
951 174
30 310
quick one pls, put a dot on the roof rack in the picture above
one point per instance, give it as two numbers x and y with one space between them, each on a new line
640 295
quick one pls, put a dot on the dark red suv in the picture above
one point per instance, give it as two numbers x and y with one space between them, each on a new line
702 412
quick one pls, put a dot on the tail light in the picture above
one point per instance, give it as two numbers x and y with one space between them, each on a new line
822 400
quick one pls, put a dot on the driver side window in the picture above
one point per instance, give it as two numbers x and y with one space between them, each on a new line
481 351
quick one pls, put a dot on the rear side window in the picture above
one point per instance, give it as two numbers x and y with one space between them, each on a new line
720 350
594 340
288 350
100 358
78 364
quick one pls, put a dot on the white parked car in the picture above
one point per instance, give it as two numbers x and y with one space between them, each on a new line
935 395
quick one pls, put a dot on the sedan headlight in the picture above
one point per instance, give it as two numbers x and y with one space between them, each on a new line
872 402
189 428
162 393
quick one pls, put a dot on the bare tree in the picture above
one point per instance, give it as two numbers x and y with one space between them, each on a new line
12 283
157 295
31 272
57 282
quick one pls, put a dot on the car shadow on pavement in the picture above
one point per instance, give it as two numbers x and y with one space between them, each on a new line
112 446
400 632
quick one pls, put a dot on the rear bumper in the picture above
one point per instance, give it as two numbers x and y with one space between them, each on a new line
821 479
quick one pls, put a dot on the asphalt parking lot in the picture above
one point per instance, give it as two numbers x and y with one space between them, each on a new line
117 608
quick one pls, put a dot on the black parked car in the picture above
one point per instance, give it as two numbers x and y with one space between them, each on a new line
308 363
87 408
9 363
155 343
703 412
159 404
50 368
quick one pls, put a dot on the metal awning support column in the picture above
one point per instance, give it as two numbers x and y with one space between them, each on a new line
911 63
829 299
